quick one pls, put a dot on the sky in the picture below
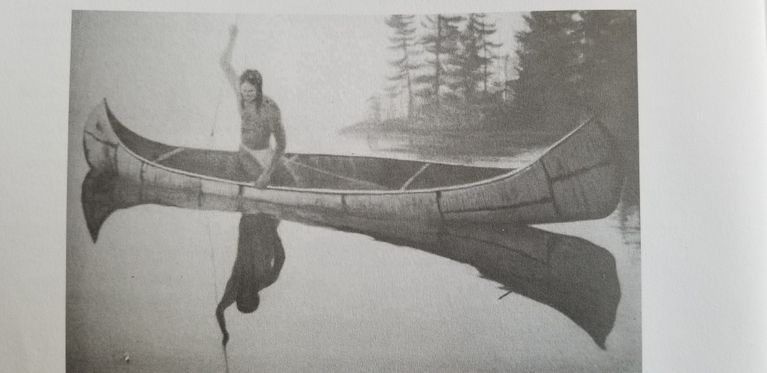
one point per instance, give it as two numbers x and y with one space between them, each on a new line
160 72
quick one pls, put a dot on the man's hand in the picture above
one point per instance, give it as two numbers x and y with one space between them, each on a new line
263 181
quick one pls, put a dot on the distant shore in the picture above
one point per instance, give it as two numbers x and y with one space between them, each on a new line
400 135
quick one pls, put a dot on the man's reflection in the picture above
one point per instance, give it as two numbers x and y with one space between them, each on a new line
260 257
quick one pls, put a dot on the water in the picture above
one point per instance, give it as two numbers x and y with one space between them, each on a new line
346 302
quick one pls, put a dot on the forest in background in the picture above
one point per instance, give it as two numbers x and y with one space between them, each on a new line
448 77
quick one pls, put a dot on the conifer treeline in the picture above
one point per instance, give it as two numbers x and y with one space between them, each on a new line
443 67
575 63
568 64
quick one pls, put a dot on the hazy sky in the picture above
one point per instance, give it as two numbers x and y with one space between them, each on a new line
161 75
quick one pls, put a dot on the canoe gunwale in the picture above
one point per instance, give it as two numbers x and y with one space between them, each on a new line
109 114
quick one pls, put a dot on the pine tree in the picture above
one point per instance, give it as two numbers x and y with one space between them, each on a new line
484 29
403 41
549 54
476 56
440 41
609 51
467 62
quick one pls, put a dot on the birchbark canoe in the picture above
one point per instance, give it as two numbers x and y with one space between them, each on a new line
577 178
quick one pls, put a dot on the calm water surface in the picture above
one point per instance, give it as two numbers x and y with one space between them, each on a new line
348 302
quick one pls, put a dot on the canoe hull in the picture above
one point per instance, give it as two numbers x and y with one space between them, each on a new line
576 179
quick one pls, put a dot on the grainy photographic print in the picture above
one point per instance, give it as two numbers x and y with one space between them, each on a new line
334 193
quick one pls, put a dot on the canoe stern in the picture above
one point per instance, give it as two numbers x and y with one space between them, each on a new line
578 178
585 173
100 143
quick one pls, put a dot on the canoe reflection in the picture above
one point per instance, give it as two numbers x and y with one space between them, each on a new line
570 274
